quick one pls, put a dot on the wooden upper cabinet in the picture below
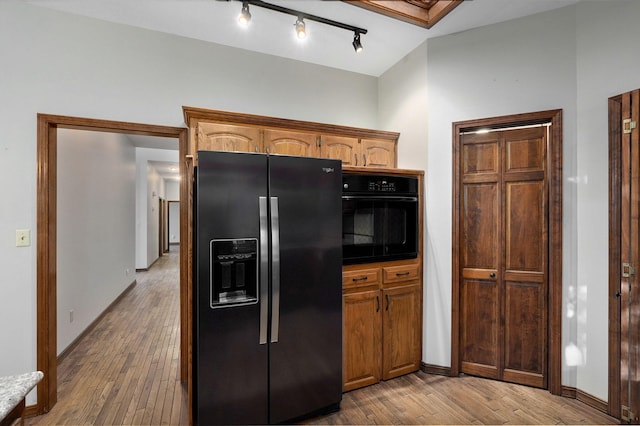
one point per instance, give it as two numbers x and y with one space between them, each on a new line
291 143
211 130
377 153
339 148
226 137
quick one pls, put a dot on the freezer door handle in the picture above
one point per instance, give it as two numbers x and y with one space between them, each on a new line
264 269
275 270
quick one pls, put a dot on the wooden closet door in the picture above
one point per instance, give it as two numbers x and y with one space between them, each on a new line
503 293
630 259
481 219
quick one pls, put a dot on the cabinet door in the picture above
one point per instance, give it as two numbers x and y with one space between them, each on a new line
402 328
225 137
339 148
377 153
362 339
291 143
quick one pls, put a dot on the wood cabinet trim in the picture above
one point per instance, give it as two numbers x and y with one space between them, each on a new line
193 115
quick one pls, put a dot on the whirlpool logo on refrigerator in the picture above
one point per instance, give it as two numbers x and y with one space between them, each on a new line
328 169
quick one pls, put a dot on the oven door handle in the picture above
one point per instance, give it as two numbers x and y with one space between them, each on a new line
378 198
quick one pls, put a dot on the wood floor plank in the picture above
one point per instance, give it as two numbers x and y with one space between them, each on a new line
126 371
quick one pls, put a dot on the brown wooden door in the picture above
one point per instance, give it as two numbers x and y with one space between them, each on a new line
291 143
226 137
503 255
630 259
401 330
362 339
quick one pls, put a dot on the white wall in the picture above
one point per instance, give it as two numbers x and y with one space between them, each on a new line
96 214
172 188
62 64
608 65
174 222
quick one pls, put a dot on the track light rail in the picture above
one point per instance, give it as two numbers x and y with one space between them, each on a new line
304 15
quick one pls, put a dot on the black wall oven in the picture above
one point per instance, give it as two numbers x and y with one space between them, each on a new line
379 218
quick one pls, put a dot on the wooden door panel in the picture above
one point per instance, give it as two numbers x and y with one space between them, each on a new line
224 137
339 148
291 143
401 349
480 157
362 319
525 331
479 319
525 226
525 150
480 226
377 153
503 249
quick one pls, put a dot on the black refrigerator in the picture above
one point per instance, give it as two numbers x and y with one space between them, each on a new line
267 288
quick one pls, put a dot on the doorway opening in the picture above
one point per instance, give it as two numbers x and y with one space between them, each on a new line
48 126
500 171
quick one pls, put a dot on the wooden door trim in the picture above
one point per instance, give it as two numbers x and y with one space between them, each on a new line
46 252
554 175
615 255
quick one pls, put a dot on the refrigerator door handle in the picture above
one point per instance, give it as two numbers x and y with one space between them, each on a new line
264 269
275 270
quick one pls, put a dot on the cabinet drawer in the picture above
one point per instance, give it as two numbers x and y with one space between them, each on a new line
361 277
392 274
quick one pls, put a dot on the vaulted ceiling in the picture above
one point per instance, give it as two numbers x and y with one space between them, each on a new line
395 28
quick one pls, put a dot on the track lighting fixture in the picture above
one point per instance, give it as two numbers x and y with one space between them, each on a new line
357 46
245 16
301 32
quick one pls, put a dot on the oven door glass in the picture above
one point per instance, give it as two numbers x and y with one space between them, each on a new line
401 228
362 230
378 229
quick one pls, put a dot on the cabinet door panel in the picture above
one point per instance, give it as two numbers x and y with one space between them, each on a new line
377 153
339 148
225 137
362 339
401 330
290 143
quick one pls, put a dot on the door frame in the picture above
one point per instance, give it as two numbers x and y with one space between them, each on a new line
46 243
617 109
554 176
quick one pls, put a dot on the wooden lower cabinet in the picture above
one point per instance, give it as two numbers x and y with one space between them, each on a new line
382 323
362 339
401 316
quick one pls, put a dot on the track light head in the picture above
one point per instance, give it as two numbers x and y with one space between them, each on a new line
357 46
245 16
301 32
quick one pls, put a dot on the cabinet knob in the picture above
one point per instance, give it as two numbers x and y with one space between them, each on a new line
492 275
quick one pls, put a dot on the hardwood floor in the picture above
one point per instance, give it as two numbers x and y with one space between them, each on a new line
126 372
421 398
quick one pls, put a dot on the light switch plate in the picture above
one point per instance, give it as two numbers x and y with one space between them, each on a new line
23 237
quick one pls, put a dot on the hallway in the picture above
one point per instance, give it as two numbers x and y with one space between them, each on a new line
126 369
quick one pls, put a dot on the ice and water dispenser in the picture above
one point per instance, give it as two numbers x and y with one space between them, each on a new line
234 272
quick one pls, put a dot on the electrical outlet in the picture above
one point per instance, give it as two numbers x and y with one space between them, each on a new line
23 237
71 315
